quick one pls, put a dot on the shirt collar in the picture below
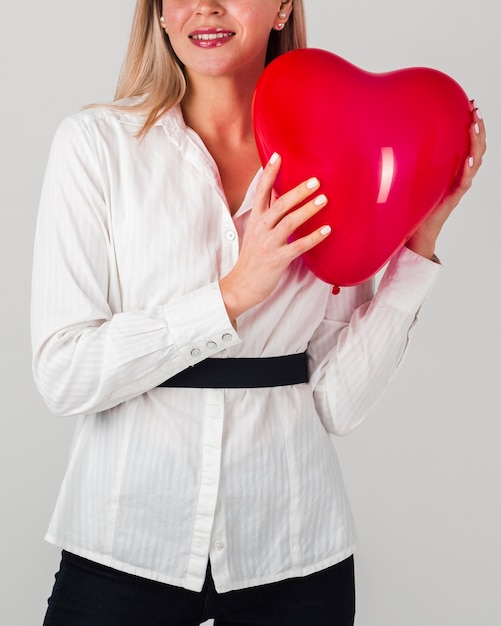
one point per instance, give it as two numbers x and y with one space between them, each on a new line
191 146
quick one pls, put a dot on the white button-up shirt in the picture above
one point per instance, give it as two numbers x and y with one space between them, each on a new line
132 239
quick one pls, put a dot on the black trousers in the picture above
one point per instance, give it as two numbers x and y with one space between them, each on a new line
89 594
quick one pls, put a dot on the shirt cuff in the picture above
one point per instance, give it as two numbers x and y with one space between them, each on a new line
407 280
199 325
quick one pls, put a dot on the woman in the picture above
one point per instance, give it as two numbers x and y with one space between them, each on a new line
207 365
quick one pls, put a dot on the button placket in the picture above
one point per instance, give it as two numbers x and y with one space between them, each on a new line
209 484
230 243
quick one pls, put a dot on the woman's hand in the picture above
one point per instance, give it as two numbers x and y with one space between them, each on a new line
266 252
423 240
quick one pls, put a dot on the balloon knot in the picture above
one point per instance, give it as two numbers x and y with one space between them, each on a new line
335 290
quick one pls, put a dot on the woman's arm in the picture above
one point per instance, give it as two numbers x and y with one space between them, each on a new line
361 343
354 359
89 355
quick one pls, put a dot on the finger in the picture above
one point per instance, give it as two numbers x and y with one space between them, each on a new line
466 179
477 147
478 126
292 220
475 110
291 199
477 116
264 189
299 246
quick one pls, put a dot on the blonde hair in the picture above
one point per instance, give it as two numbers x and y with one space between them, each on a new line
152 70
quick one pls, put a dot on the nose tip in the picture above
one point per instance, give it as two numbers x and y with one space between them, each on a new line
209 7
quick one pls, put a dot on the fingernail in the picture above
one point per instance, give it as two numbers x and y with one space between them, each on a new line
471 161
319 200
477 128
325 230
312 183
274 158
479 114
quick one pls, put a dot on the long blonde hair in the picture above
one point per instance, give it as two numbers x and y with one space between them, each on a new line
152 70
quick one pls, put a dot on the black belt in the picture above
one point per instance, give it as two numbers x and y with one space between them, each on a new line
275 371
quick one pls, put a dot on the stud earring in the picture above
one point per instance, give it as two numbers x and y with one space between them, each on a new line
279 26
162 19
282 15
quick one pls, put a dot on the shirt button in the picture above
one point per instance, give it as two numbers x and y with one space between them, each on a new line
218 545
227 337
230 235
212 345
196 352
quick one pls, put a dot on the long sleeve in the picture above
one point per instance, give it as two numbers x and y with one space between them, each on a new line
370 336
89 355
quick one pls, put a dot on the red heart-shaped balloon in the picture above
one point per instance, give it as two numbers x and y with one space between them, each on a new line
386 148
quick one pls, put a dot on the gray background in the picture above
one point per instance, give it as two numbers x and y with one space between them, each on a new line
423 472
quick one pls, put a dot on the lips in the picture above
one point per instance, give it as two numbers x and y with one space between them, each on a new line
211 37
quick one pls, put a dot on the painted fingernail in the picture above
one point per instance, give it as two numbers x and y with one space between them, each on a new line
471 161
479 114
312 183
325 230
274 158
477 128
319 200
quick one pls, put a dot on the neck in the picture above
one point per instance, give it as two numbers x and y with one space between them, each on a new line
219 110
219 107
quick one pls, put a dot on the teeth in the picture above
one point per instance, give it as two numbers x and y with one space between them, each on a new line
211 36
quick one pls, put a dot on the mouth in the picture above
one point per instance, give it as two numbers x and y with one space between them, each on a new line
211 37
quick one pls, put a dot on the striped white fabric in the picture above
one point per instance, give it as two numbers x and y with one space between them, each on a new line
132 238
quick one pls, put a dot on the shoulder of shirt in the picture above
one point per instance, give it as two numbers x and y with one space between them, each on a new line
109 116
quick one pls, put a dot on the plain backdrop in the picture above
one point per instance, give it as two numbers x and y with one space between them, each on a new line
423 472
